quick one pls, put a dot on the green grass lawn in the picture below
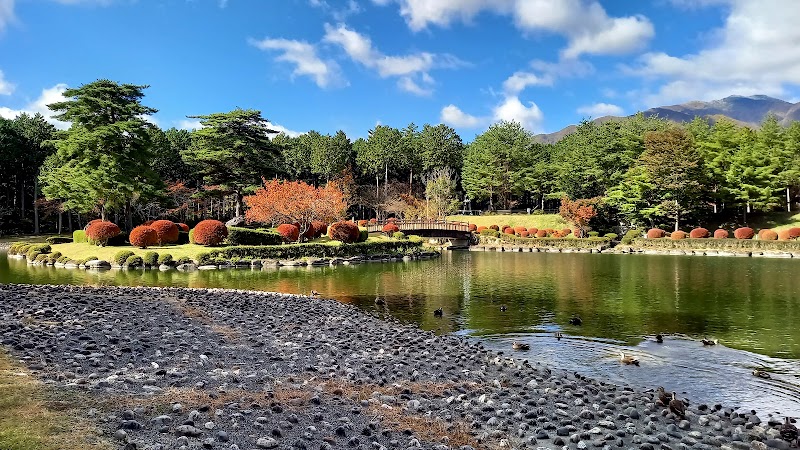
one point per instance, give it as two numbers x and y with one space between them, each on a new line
28 238
776 221
553 221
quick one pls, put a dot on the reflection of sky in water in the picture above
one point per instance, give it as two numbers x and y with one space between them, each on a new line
747 303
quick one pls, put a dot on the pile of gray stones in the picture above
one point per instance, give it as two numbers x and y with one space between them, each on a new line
169 368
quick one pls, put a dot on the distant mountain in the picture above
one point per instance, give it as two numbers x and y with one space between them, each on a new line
748 111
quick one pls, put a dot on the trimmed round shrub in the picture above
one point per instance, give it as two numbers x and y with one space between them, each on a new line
191 236
319 227
494 227
524 234
343 231
721 234
362 223
390 229
54 257
37 249
288 232
150 259
678 235
565 232
656 233
518 230
134 261
744 233
592 233
611 236
184 260
373 220
541 233
698 233
143 236
794 232
769 235
473 228
480 228
503 227
121 256
533 230
761 232
399 235
147 223
166 230
79 236
183 227
91 222
165 260
210 232
100 232
509 230
783 235
363 234
391 219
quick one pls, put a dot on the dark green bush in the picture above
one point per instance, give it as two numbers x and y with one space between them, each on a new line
19 248
58 240
593 234
247 236
165 260
150 259
121 256
490 232
399 235
416 239
63 259
78 236
184 260
363 234
296 251
37 249
134 261
41 257
53 257
591 242
630 235
119 240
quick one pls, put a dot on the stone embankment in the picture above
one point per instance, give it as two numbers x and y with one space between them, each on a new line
168 368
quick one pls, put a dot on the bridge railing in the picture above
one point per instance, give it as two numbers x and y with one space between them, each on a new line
421 224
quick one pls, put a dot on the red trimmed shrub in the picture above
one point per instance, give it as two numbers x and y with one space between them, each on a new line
744 233
100 232
678 235
761 231
577 232
503 227
794 233
363 223
656 233
541 234
480 228
519 230
769 235
524 233
373 220
143 236
91 222
533 230
167 231
390 229
288 232
473 227
494 227
783 235
508 230
210 232
698 233
343 231
319 228
721 234
391 219
183 227
566 232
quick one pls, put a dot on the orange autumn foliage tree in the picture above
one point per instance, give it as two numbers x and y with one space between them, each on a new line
579 212
281 201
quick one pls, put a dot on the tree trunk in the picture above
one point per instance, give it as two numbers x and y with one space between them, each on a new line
377 187
22 200
238 200
677 221
36 207
128 215
103 213
69 221
788 200
60 213
385 179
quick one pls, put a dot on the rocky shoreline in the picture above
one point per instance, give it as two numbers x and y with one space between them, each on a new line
170 368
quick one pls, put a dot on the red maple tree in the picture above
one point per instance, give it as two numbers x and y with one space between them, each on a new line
281 201
579 212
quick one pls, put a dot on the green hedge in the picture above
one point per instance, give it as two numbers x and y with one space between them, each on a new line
165 259
317 250
78 236
717 244
593 242
630 235
247 236
363 234
58 240
121 256
134 261
150 259
36 250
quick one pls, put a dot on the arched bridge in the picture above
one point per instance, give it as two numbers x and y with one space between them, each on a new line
429 228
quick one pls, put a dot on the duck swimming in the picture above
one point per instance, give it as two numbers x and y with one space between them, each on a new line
520 346
379 301
576 320
558 335
628 359
314 293
438 312
761 374
707 341
659 339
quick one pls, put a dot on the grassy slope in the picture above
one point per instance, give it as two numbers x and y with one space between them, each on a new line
26 420
553 221
776 221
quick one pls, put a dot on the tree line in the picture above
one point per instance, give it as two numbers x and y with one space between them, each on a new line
639 171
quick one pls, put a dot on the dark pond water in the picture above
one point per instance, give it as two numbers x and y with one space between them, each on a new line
751 305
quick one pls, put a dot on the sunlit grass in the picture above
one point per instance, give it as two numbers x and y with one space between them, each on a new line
77 251
553 221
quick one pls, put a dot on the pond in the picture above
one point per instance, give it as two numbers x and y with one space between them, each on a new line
751 305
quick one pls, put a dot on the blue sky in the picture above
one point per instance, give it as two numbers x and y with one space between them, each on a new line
345 64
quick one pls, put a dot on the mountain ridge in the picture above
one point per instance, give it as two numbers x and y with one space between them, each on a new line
743 110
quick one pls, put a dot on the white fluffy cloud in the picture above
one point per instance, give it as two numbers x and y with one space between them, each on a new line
510 109
517 82
6 88
189 124
49 95
585 23
283 129
755 52
413 68
6 13
454 116
305 60
600 109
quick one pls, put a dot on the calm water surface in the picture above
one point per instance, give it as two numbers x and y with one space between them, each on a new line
751 305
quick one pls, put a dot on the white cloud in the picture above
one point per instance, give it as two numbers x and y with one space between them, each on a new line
304 57
282 129
6 88
512 109
452 115
48 96
585 23
360 49
755 52
600 109
6 13
517 82
188 124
